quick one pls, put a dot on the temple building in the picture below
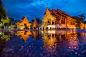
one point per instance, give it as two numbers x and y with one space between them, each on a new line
23 24
57 19
35 24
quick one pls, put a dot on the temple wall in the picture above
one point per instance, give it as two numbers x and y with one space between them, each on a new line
71 26
64 26
51 26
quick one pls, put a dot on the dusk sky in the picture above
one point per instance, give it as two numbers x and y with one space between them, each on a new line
30 8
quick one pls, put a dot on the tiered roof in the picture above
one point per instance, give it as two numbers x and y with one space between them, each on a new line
57 12
24 20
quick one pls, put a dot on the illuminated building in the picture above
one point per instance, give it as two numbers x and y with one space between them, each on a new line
23 24
23 34
35 24
57 19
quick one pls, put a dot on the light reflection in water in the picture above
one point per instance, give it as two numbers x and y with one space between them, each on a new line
52 38
51 42
23 34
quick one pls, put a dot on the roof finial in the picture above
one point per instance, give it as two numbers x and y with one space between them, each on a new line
57 7
35 16
52 7
47 5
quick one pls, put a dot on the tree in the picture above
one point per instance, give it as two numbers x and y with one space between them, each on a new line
12 19
32 20
79 19
38 20
15 21
2 11
82 16
3 16
18 20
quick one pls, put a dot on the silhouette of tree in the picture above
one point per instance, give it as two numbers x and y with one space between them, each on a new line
18 20
79 19
12 19
82 16
32 20
38 20
2 11
15 21
84 22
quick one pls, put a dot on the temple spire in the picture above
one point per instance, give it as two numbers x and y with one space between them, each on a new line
35 16
57 7
52 7
47 5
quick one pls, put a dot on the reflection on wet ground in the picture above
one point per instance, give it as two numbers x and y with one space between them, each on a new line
48 43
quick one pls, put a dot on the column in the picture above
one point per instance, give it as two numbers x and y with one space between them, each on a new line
44 25
66 22
54 22
60 22
51 24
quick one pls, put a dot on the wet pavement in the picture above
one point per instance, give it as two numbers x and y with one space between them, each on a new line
39 43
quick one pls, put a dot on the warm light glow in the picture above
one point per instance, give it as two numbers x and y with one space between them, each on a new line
52 26
23 23
52 31
82 25
50 20
24 35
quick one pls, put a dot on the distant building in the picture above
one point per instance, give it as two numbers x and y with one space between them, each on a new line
23 24
57 19
35 24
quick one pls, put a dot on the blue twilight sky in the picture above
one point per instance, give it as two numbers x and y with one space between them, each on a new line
30 8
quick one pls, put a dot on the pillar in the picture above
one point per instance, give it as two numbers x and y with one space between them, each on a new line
44 25
66 22
60 22
54 22
51 24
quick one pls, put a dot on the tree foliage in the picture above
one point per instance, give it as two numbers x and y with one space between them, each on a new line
2 11
79 19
